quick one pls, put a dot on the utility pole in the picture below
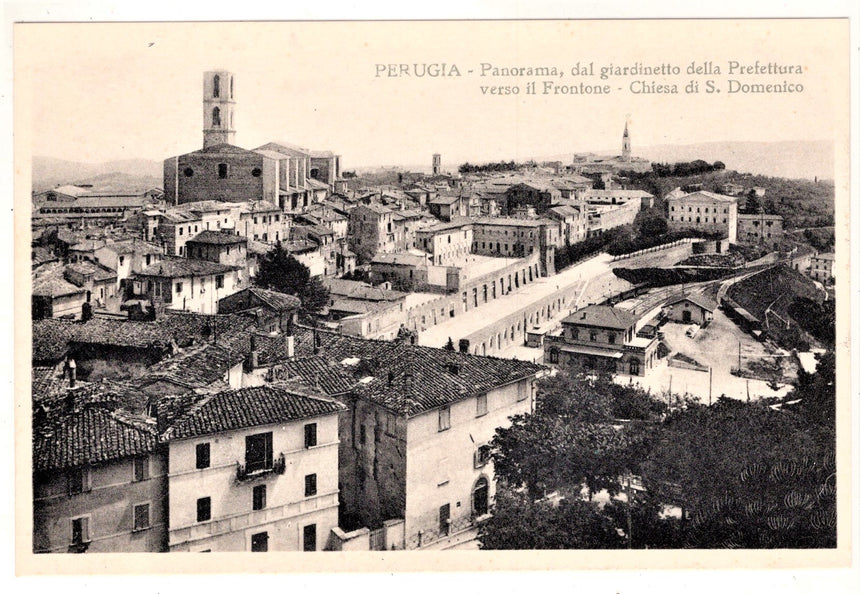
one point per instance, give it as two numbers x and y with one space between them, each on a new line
710 383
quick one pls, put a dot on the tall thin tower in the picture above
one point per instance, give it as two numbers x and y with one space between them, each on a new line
437 164
625 144
218 108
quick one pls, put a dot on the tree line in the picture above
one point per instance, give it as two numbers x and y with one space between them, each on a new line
601 465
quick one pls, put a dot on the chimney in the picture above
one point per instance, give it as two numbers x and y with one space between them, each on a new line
291 346
254 356
73 373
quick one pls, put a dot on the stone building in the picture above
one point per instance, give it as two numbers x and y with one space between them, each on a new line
704 211
690 309
760 228
604 338
275 172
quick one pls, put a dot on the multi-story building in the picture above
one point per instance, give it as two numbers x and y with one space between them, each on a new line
574 222
704 211
821 267
760 228
518 238
540 196
604 338
261 221
414 445
447 243
99 481
371 230
127 257
186 284
254 469
175 228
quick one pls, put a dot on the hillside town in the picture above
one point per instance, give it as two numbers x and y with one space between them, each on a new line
269 352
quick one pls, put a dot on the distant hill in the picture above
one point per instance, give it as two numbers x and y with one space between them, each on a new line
129 174
790 159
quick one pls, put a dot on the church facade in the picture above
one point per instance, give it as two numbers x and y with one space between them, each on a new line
286 175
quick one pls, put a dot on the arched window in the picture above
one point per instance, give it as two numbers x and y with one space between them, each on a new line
481 497
216 86
216 117
231 87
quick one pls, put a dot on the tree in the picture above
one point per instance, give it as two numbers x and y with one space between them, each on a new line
753 204
699 454
449 346
651 223
520 523
279 271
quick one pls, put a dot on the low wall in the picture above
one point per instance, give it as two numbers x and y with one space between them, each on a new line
357 540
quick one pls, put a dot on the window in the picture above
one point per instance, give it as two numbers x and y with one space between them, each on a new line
258 452
612 338
122 260
574 333
256 172
178 287
204 509
222 170
78 480
141 468
592 336
216 117
188 172
219 281
80 530
553 355
141 516
482 455
202 452
309 537
481 405
310 485
216 86
444 418
260 542
362 434
310 435
259 497
522 391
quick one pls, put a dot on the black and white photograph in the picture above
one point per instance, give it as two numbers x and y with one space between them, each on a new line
402 287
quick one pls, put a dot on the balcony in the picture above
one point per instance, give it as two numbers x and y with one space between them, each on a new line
248 473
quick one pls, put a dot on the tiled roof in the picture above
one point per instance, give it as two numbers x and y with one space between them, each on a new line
184 267
401 259
217 238
705 194
432 383
133 246
601 316
316 372
248 407
200 367
276 300
87 437
48 281
99 271
695 298
222 149
360 290
52 337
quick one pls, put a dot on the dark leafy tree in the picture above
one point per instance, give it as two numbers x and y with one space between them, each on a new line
279 271
518 522
449 346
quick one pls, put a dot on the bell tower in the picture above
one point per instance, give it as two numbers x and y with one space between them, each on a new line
625 144
218 108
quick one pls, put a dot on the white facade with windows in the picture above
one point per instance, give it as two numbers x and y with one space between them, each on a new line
265 488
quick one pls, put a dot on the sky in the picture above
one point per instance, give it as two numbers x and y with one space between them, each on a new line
99 92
